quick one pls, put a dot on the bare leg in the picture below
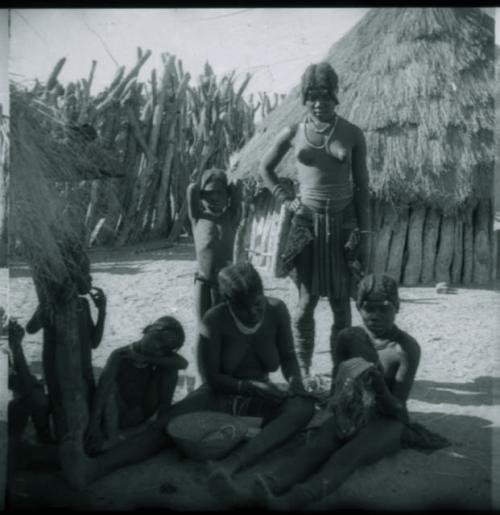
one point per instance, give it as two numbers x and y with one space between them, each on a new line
342 318
377 440
294 468
290 470
80 470
294 415
202 298
303 317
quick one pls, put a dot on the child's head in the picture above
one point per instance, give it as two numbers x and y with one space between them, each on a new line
162 337
214 190
378 302
240 285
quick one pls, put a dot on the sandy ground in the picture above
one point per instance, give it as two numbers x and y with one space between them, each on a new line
456 393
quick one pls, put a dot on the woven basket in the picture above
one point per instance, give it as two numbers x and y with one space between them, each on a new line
207 435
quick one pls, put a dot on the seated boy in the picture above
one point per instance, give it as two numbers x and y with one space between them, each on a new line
138 381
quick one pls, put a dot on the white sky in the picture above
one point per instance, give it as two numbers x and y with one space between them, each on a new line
274 44
4 52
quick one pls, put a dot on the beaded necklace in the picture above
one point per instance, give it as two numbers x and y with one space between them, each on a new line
243 328
320 132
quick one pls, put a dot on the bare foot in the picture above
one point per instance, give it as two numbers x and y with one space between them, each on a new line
224 488
263 496
78 469
228 465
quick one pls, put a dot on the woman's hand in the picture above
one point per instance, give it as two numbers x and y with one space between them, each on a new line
262 389
296 386
93 438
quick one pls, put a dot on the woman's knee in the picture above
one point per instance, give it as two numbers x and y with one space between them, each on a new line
302 407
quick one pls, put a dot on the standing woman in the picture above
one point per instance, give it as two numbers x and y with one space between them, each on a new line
332 207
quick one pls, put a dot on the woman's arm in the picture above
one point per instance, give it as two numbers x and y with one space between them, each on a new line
104 388
209 355
271 160
407 369
171 362
193 201
393 402
361 191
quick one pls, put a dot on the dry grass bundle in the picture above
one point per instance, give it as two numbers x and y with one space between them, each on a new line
42 227
419 82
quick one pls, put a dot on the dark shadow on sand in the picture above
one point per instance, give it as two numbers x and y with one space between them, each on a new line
479 392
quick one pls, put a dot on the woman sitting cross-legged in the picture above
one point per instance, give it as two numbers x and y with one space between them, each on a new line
242 340
374 369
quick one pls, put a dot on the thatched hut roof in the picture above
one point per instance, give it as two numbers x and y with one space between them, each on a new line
419 82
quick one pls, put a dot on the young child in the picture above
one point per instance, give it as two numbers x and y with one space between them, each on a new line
214 212
90 337
29 399
138 381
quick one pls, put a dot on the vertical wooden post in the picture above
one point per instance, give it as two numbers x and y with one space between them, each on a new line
383 238
431 234
458 252
415 246
444 256
398 240
482 243
468 247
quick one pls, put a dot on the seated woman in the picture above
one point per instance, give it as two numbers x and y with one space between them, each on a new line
138 381
374 369
242 341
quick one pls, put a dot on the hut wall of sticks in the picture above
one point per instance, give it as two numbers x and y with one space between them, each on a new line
140 143
419 82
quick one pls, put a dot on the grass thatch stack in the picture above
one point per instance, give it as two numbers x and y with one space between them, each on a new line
419 83
47 230
42 223
4 167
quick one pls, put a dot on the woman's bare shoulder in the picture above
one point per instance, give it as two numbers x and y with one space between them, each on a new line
215 314
407 342
349 127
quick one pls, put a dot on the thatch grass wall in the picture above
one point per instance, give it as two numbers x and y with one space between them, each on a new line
419 82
